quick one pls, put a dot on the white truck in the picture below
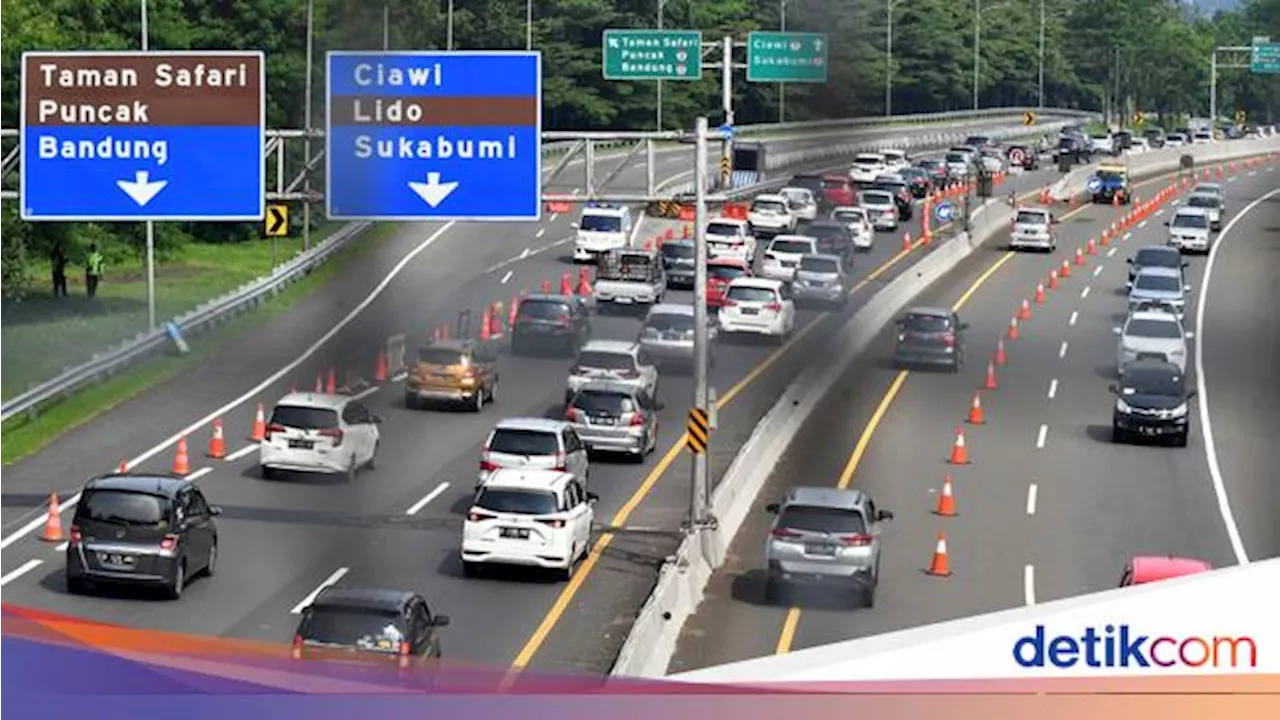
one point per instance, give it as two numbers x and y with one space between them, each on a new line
601 229
629 278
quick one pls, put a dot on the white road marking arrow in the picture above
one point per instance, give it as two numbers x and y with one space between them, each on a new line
433 191
141 189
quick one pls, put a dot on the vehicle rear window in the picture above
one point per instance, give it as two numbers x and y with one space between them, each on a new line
877 198
867 160
601 223
1031 218
543 309
751 294
1157 282
725 272
827 230
517 502
821 519
956 158
795 247
1203 201
797 195
515 441
301 417
670 322
1162 329
123 507
1151 381
722 229
677 250
835 184
441 356
850 216
819 264
1157 258
768 206
927 323
597 402
597 360
366 629
891 186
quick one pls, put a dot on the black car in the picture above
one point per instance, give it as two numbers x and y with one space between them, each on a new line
380 628
1151 402
153 530
918 181
559 321
814 184
677 260
1122 140
935 168
1075 149
930 336
834 238
901 195
1155 256
1155 137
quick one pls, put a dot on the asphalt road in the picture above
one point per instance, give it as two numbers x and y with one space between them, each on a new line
1048 507
398 526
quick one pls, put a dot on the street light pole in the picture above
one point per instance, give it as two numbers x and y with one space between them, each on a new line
701 395
449 30
528 25
306 120
782 86
662 7
888 58
1041 83
151 226
977 47
386 27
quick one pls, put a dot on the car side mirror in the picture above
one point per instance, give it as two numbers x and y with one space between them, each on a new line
1186 288
772 508
592 497
884 515
1130 261
215 509
1116 331
440 621
1189 334
1185 265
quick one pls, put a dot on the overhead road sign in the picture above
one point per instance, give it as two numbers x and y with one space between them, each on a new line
786 57
1265 58
277 224
434 136
652 55
132 136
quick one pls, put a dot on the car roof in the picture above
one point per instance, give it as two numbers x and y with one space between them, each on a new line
603 385
1207 187
1160 270
520 479
1157 249
603 210
822 256
370 598
729 220
622 347
1151 365
1037 210
678 241
825 497
794 189
849 208
835 176
930 310
755 282
878 193
729 262
549 297
805 238
1156 315
460 345
769 197
314 400
152 483
537 424
825 223
888 178
1204 194
1185 210
674 308
1149 568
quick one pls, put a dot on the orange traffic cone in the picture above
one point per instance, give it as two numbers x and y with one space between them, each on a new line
1079 257
259 426
959 453
1040 297
938 566
906 240
946 500
684 232
1013 328
331 385
123 467
182 461
584 283
1066 269
566 284
976 416
495 320
217 445
546 287
1001 357
1219 172
1053 279
1105 238
990 382
1091 247
53 523
1024 312
669 234
380 369
485 329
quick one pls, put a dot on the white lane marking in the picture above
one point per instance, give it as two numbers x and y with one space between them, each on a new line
1206 424
1129 235
400 376
26 567
1142 224
541 231
1231 179
242 452
1029 584
1158 212
1112 251
576 191
200 473
1042 436
1031 499
310 598
1075 315
426 499
1062 351
1252 173
507 278
1084 293
39 521
62 547
1097 271
1053 388
525 253
555 216
365 393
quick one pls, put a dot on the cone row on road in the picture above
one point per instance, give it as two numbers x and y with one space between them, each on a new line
946 500
1066 269
959 451
217 444
53 522
1001 357
1024 312
1040 296
939 566
1053 279
976 415
990 382
1013 328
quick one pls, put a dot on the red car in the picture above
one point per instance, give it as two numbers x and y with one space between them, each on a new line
720 272
838 190
1150 568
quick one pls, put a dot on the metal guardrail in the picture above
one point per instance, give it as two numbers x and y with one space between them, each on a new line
249 296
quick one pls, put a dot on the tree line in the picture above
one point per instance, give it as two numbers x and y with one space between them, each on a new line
1098 54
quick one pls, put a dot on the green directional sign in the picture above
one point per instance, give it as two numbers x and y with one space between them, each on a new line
786 57
652 54
1266 58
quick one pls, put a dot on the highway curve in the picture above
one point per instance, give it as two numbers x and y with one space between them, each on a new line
399 525
1049 507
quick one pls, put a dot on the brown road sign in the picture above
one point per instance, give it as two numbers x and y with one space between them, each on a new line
698 430
277 220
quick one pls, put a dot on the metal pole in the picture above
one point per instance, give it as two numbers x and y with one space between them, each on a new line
589 167
782 86
1115 84
1041 83
528 25
888 59
727 97
386 27
698 484
662 6
449 31
151 226
306 120
1213 86
977 47
649 168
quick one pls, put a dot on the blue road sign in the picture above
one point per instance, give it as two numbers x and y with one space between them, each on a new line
1094 184
726 130
126 136
434 136
943 211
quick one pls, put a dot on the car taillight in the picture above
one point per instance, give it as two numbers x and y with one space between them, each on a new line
561 459
75 537
564 321
773 307
785 534
296 651
475 516
856 540
729 302
168 543
552 523
637 419
334 433
405 651
487 465
573 415
274 428
949 339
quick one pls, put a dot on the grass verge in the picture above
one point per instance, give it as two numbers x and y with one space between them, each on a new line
25 435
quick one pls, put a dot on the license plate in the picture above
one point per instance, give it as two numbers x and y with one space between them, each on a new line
623 301
515 533
116 559
750 311
1148 431
604 420
820 549
301 444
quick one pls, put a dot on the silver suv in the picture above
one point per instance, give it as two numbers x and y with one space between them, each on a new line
824 536
1152 334
820 279
668 333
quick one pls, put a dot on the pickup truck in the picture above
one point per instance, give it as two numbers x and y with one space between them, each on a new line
630 277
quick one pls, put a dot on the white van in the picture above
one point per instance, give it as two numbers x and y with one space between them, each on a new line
601 228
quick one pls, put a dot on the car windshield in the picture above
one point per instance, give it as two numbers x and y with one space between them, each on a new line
301 417
725 272
877 198
822 519
123 507
363 628
601 223
1158 257
913 173
722 229
677 250
441 356
600 402
516 502
827 230
1162 329
1031 218
597 360
955 158
867 161
1110 176
1162 283
850 216
793 247
515 441
1203 201
543 309
834 184
1152 381
927 323
1187 220
768 206
819 264
796 196
743 293
670 322
1176 138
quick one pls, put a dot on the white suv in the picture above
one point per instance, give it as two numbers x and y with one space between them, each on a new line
319 433
771 215
731 238
534 518
782 256
533 443
759 306
601 228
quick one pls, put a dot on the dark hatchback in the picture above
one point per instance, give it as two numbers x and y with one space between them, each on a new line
373 628
834 238
560 322
815 185
155 530
1151 403
930 336
918 180
901 195
678 259
1155 256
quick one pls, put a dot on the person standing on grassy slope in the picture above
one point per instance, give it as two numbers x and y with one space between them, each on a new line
58 264
93 270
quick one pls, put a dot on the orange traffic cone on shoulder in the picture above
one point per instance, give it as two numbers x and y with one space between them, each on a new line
1079 257
546 287
217 444
1024 312
182 461
1013 328
1066 269
584 283
976 416
1040 297
939 566
1091 247
514 311
331 385
380 368
495 319
990 382
259 426
959 452
566 284
906 240
485 328
1053 279
319 382
53 523
123 467
1001 357
946 500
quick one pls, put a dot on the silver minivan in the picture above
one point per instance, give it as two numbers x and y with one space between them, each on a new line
820 279
668 332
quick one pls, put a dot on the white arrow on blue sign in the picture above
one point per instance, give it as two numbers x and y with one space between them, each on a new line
434 135
1094 184
726 130
943 212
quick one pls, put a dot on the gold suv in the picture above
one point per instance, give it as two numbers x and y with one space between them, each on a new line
459 371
